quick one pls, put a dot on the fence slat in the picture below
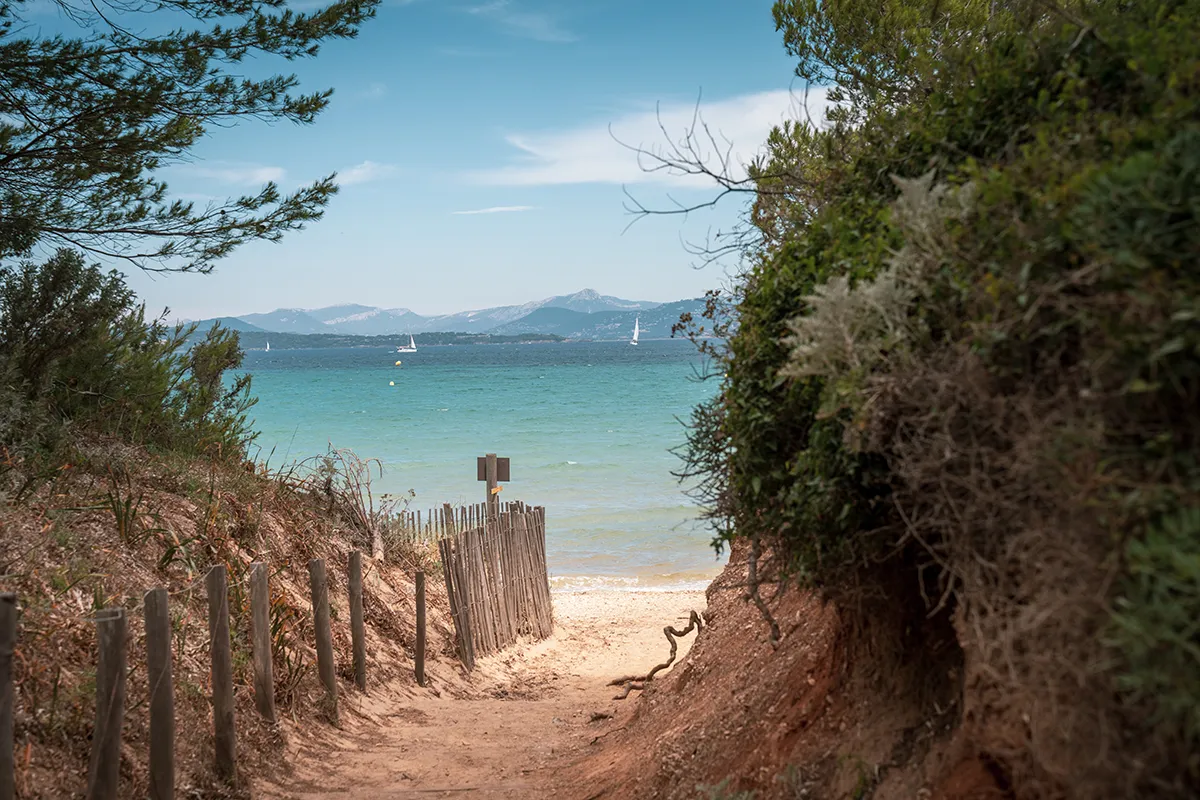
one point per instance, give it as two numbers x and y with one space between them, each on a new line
460 582
319 588
260 641
357 629
419 647
104 768
162 694
224 733
8 645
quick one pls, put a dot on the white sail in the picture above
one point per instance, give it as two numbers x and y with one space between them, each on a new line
412 343
636 330
268 347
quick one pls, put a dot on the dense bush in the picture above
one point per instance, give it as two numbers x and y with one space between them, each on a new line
968 349
78 356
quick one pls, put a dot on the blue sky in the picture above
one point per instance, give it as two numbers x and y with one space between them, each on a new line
472 143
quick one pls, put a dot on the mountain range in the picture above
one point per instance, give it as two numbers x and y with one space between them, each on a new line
582 315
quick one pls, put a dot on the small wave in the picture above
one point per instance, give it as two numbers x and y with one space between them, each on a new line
443 409
625 583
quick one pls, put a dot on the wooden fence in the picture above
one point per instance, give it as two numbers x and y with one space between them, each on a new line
430 526
495 570
112 669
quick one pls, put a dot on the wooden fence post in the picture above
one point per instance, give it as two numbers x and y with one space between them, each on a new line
162 694
357 631
104 769
419 648
224 736
320 602
260 641
8 645
493 499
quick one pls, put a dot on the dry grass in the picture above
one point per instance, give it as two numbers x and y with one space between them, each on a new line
119 523
1003 495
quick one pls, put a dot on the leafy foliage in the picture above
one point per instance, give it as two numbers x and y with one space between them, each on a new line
77 354
968 353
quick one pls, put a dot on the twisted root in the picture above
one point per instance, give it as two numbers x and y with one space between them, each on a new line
638 682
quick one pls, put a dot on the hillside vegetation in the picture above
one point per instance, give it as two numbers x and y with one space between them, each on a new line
123 469
962 396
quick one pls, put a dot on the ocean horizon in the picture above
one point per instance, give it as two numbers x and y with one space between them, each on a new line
588 426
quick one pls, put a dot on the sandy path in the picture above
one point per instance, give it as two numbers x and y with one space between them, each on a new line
524 716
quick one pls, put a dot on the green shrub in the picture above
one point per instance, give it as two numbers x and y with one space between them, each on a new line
968 355
77 354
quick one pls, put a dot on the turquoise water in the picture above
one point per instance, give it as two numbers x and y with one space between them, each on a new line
588 427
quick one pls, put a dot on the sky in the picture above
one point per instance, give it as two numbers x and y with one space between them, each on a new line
483 153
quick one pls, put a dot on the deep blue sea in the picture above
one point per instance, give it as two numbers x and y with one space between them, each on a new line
588 427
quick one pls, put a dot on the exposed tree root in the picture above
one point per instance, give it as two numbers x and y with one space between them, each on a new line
632 682
752 592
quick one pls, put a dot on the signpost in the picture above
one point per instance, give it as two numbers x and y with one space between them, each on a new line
493 470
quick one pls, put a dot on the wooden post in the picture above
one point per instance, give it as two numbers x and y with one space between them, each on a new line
320 603
493 499
260 641
8 646
104 769
162 694
357 631
224 735
419 648
377 541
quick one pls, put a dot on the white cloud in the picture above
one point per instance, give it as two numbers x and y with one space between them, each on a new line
601 153
202 199
239 174
375 91
495 210
364 173
536 25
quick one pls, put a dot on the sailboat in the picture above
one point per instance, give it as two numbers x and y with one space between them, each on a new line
268 348
412 346
636 330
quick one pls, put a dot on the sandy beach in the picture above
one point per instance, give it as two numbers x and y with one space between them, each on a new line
524 714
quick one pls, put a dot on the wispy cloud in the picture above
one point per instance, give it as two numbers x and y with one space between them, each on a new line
537 25
375 91
365 172
202 199
463 52
238 174
606 152
495 210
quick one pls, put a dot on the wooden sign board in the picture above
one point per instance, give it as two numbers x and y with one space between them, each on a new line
502 469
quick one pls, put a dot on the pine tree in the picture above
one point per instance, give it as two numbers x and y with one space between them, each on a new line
86 122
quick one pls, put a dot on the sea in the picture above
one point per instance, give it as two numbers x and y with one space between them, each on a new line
589 428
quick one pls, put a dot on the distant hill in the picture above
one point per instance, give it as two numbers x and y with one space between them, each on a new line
232 323
257 340
589 301
376 322
585 314
335 314
287 320
655 323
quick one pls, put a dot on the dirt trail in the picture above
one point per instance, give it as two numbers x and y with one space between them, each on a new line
511 730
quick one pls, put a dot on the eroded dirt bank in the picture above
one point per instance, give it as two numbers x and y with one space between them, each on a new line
808 718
